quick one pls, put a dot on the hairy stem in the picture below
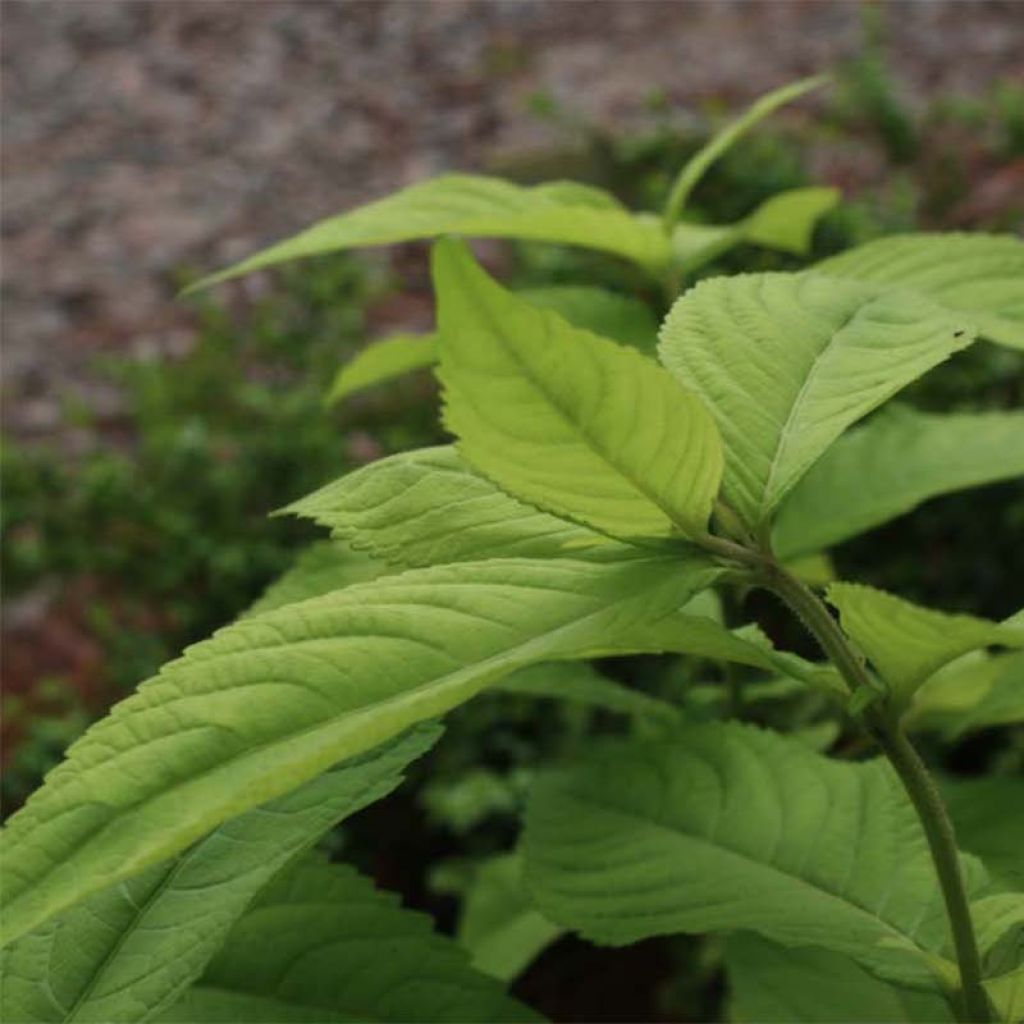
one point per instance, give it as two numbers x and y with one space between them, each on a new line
912 773
938 828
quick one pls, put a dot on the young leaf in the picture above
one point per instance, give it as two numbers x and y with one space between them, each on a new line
566 420
320 943
892 464
128 951
907 643
499 927
727 827
382 361
698 164
321 568
786 362
1003 703
476 207
614 316
275 699
974 274
947 700
770 984
428 507
786 221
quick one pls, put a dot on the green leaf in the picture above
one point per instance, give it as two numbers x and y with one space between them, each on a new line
498 926
979 809
428 507
698 164
770 984
566 420
999 923
272 701
975 274
130 950
609 314
786 221
786 362
1003 703
382 361
580 682
944 701
907 643
892 464
726 827
321 568
476 207
322 944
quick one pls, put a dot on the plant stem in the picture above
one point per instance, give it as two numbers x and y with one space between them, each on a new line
912 773
938 828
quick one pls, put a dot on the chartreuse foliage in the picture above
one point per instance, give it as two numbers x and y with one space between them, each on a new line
320 943
978 275
567 420
590 499
132 948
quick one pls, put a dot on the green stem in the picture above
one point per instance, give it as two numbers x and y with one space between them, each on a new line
912 773
942 841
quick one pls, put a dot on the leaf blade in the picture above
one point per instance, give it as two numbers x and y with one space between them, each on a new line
786 362
970 273
891 465
322 940
726 827
908 643
128 951
192 748
566 420
476 207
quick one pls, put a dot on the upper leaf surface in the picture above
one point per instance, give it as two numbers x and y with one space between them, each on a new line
321 943
275 699
477 207
981 275
383 360
728 827
786 221
566 420
786 362
892 464
127 951
907 643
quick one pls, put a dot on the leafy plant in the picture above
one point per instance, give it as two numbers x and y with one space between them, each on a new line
592 499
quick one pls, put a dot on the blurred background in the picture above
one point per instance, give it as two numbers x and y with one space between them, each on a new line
146 437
